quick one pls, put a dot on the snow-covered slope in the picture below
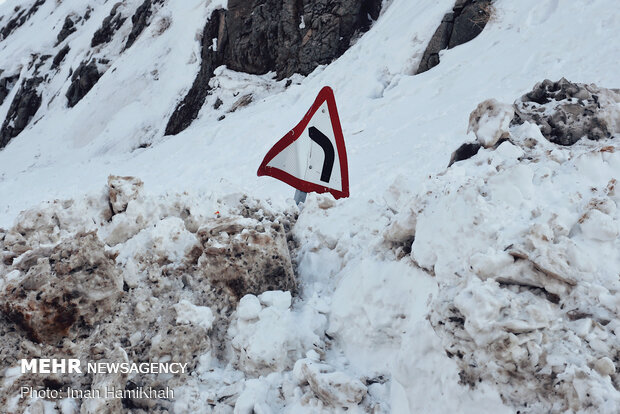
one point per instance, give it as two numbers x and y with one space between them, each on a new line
418 332
393 122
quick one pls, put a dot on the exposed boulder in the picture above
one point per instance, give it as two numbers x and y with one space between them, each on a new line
24 106
20 19
295 37
40 62
60 56
470 17
6 85
13 24
439 41
567 111
464 152
140 20
110 24
466 21
82 81
67 29
187 110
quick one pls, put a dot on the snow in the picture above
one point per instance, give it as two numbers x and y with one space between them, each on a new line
503 243
270 337
367 315
187 312
490 121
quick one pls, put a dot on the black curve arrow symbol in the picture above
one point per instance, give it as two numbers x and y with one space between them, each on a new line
325 143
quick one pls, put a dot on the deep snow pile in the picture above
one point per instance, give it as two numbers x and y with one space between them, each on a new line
524 240
129 277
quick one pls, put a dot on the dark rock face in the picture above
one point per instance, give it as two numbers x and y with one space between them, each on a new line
465 22
82 81
60 56
40 62
140 20
24 106
109 25
566 111
189 107
287 45
13 24
469 21
20 19
67 29
329 28
6 85
464 152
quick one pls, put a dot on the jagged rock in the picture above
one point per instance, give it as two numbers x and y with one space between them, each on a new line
70 284
287 46
20 19
567 111
82 81
140 20
60 56
41 61
439 41
89 10
24 106
246 256
466 21
110 24
469 21
67 29
12 24
6 85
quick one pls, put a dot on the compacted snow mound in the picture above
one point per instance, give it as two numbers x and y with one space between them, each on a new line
127 277
524 242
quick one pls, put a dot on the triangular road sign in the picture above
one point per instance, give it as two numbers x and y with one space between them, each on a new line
312 156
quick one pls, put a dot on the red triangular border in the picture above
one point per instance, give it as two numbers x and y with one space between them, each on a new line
326 94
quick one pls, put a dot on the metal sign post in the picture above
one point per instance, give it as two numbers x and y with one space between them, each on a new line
300 197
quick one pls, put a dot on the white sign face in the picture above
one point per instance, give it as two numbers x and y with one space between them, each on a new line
312 157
